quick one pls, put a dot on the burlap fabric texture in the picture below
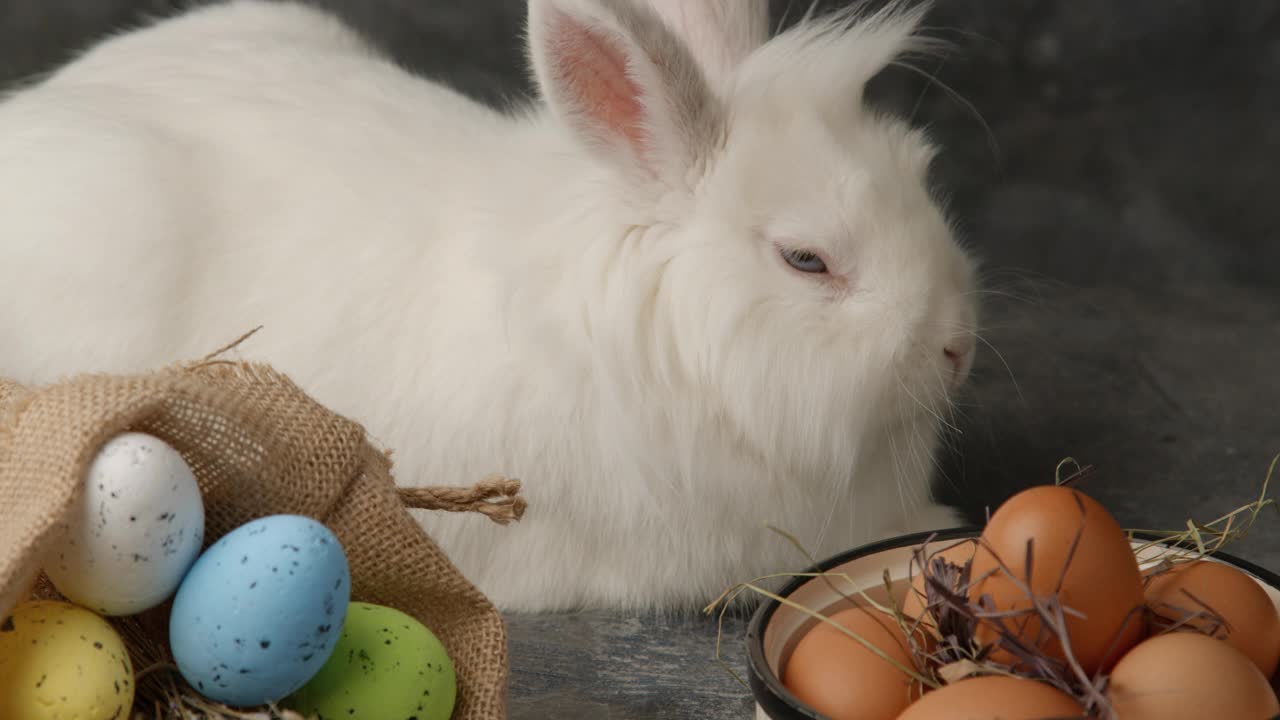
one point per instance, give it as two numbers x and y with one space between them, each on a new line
258 446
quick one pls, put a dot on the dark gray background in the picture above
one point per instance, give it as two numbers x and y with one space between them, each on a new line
1117 171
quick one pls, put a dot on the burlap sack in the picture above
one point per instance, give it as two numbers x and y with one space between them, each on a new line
258 446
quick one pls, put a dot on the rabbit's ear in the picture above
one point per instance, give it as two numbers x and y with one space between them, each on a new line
719 33
625 84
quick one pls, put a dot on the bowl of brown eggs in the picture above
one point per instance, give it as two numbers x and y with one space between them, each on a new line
1050 611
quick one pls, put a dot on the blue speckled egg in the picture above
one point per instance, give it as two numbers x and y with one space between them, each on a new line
261 610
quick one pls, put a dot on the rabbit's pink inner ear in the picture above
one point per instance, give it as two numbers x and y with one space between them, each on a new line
592 72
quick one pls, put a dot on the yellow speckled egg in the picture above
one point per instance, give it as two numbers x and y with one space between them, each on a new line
59 661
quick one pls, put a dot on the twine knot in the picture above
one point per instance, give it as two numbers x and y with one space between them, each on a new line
498 498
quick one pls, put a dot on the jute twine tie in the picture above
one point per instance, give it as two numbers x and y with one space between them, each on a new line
497 498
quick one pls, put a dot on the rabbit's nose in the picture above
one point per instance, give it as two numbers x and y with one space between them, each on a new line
959 353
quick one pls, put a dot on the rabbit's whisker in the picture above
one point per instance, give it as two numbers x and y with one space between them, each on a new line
899 472
1000 356
992 143
924 406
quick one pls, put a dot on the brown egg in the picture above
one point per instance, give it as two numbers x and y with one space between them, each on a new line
994 697
958 553
1189 676
1102 581
1252 623
842 679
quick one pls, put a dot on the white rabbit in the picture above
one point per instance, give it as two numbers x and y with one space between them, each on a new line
679 305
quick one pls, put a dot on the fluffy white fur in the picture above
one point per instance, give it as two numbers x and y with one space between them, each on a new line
587 295
719 33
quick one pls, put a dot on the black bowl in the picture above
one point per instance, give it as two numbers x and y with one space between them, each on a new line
766 648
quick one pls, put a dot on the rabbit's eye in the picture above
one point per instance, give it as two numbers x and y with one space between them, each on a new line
804 261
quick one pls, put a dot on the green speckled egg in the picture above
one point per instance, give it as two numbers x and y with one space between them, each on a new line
385 665
59 661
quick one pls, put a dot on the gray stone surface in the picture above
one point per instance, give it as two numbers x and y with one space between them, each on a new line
1116 166
601 665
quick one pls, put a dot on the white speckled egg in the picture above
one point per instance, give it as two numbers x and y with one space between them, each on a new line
136 531
261 610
